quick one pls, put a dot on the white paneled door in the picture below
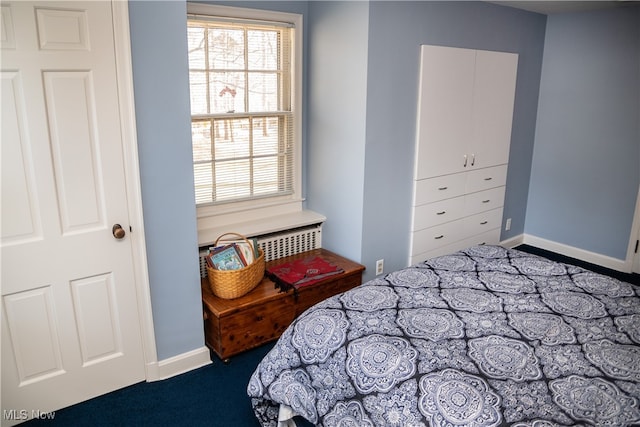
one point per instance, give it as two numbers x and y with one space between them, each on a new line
70 324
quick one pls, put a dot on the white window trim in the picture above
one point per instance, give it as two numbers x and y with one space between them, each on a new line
226 215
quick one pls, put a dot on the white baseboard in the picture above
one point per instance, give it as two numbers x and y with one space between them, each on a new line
179 364
513 242
570 251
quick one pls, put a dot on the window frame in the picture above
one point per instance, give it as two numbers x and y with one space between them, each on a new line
255 209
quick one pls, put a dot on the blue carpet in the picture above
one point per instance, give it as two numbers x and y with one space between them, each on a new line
214 395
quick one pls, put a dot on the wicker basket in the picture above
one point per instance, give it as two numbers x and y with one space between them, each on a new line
229 284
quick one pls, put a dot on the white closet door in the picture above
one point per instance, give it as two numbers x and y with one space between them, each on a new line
444 110
69 312
494 92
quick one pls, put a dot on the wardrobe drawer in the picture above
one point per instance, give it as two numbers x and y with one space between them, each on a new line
491 237
484 200
440 235
483 179
437 213
484 221
439 188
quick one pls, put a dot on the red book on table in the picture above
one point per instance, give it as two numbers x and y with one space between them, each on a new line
302 272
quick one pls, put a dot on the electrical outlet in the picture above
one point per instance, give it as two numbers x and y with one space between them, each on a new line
507 225
379 266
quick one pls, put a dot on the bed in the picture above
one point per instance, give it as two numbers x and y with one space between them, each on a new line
487 336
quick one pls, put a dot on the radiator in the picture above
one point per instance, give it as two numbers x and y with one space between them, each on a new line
280 244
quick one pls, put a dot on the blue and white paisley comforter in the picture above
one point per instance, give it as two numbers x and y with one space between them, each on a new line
487 336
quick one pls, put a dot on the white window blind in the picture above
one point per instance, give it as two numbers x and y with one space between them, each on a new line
242 117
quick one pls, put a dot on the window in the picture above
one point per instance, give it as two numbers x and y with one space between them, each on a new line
245 121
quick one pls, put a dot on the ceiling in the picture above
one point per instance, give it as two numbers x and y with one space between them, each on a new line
549 7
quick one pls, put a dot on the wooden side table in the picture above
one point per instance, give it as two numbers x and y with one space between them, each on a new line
235 325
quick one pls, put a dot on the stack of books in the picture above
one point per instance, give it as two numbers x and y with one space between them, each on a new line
233 255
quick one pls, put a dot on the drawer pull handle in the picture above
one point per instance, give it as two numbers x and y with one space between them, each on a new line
473 159
439 237
486 201
465 161
441 213
488 179
484 222
442 188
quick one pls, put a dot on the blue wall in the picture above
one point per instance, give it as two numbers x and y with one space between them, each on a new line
359 165
358 142
161 86
586 163
337 78
396 31
161 90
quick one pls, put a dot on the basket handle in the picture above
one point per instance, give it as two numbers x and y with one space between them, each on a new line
232 234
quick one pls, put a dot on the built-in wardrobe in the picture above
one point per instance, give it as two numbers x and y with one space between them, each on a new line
465 112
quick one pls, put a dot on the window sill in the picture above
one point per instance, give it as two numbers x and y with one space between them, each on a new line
270 224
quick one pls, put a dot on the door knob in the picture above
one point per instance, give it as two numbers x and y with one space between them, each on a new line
118 231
